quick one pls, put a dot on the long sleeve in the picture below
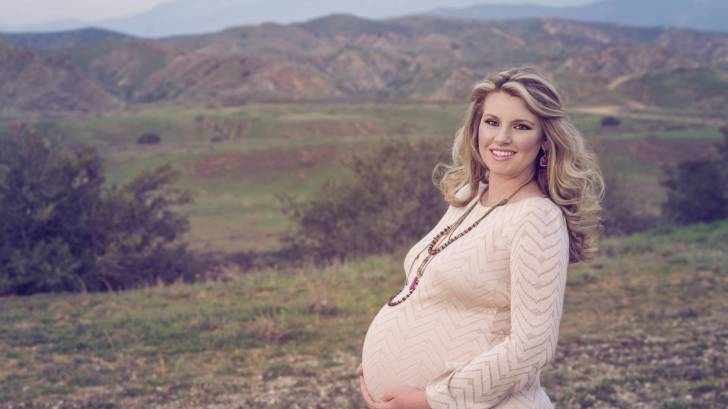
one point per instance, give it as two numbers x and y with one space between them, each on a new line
539 257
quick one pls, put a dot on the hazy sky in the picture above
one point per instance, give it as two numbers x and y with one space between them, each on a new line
21 12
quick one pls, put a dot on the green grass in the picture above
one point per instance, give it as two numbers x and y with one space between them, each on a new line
161 343
133 344
236 208
697 132
675 89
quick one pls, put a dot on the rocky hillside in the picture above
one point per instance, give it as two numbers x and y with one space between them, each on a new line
342 57
30 81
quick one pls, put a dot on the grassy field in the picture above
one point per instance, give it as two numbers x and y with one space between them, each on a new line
264 150
644 326
235 161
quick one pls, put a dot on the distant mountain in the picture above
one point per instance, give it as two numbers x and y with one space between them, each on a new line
196 16
710 15
62 39
424 58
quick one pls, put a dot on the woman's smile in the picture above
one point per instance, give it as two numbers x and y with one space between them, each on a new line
498 154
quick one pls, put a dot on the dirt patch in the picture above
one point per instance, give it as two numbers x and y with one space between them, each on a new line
255 162
319 128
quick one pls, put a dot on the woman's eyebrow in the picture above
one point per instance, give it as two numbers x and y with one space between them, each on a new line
515 120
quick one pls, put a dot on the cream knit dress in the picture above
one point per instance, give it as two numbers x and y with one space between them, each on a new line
484 319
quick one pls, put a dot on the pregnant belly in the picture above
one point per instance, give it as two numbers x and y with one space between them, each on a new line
397 351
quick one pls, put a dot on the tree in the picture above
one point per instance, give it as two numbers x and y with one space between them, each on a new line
610 121
137 231
389 200
620 213
697 189
62 230
148 138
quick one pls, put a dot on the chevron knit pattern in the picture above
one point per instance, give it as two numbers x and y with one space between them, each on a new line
484 320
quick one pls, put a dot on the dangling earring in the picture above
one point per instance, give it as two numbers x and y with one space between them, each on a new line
543 161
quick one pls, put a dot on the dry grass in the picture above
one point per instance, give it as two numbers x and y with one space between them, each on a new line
644 326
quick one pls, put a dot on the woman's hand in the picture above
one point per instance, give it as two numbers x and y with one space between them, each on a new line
401 397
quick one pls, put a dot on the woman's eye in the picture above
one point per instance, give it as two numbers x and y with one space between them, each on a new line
492 122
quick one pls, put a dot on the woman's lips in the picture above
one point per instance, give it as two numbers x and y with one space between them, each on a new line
501 158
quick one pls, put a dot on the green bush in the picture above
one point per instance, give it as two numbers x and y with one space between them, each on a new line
697 189
61 230
390 201
610 121
620 214
148 138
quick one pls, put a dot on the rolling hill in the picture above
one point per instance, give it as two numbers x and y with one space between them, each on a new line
423 58
32 81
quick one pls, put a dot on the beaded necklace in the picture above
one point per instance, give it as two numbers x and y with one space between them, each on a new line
432 250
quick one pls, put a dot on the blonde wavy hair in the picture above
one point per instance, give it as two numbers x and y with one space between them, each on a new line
572 179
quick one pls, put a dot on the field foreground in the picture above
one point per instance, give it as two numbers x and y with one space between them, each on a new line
644 326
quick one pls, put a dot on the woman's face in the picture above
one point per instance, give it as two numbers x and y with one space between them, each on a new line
509 135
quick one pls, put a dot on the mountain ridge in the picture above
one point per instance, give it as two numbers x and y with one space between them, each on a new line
704 15
193 17
420 58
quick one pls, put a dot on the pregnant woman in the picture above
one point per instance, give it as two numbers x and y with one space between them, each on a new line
478 318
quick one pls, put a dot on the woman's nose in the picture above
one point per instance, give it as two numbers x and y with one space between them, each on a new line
503 135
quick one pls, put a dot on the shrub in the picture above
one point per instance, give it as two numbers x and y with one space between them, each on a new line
610 121
61 230
138 230
149 139
619 209
697 189
390 200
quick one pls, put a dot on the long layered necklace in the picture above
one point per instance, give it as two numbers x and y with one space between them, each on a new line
433 249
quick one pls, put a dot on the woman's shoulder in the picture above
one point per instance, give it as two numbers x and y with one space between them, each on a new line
537 208
540 222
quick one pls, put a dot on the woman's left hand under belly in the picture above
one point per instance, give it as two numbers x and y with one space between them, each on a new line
400 397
